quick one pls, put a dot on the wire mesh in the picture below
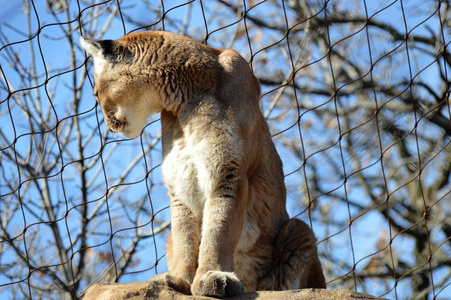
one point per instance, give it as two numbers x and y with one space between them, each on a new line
356 94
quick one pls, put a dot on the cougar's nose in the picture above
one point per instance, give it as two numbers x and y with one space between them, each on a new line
113 123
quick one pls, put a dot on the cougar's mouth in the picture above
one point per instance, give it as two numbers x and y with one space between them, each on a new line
114 124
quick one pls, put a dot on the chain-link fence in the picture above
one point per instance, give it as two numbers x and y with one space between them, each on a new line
356 94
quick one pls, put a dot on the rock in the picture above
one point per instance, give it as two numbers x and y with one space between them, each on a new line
151 290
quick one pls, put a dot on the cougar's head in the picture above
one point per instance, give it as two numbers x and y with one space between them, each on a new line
126 100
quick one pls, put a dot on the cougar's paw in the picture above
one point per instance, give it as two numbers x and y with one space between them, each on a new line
177 283
217 284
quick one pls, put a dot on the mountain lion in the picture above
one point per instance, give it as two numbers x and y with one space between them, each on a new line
230 229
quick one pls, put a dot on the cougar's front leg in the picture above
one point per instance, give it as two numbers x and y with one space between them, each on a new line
223 220
182 248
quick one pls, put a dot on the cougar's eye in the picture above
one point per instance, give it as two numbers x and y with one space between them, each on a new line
95 91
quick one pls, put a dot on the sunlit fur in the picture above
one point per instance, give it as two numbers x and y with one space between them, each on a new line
230 229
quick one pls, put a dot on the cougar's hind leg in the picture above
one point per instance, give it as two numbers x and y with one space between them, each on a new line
295 263
316 277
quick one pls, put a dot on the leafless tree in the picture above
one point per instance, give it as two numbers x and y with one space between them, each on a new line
356 94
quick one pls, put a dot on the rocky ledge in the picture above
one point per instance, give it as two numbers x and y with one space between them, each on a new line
151 290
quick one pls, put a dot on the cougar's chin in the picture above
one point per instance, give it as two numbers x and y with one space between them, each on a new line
134 128
127 130
135 125
131 132
129 123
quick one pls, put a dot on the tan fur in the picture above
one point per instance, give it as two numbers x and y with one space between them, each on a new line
230 229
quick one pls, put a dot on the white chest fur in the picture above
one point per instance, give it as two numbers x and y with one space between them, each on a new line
185 171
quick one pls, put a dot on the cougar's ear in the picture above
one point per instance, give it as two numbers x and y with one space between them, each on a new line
98 48
106 50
